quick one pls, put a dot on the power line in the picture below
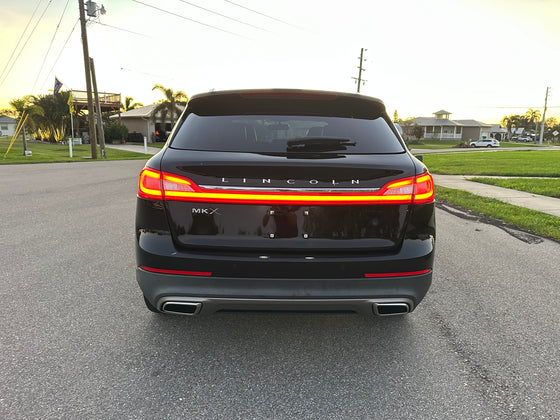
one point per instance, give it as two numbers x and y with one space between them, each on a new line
24 45
60 53
224 16
147 74
262 14
50 46
186 18
509 107
20 38
122 29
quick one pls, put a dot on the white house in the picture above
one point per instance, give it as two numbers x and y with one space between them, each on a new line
441 127
7 126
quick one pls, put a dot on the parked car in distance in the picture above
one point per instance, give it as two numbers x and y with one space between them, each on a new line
284 200
525 138
485 143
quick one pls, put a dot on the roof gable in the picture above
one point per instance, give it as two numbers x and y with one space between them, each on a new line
6 119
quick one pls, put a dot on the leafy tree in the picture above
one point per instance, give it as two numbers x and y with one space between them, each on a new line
129 104
396 118
551 122
168 107
417 131
513 122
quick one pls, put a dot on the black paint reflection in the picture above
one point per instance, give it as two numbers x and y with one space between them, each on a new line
203 224
285 221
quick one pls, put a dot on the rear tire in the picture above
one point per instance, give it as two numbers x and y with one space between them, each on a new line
150 306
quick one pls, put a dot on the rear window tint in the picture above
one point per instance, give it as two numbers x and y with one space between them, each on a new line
284 134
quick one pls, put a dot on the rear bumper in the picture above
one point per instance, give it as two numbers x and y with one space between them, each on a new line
362 295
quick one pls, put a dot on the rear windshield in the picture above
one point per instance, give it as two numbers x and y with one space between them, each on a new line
285 134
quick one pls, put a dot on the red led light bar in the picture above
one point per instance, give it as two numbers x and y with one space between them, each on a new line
404 274
181 272
160 185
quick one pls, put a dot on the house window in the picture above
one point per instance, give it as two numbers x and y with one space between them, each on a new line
4 127
429 129
458 130
437 130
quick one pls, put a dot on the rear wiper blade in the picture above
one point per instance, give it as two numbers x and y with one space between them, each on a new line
318 144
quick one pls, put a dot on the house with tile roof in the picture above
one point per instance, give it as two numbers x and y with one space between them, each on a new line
441 127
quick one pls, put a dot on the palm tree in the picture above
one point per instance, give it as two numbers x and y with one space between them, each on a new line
25 105
53 121
507 122
168 108
128 104
533 115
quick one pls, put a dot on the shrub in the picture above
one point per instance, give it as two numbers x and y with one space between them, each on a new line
115 131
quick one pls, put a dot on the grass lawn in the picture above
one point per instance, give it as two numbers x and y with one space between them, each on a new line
434 144
47 152
549 187
158 144
505 163
533 221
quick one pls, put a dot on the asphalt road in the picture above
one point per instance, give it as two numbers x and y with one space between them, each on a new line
76 341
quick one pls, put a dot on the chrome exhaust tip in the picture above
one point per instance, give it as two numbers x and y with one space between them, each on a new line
390 308
181 308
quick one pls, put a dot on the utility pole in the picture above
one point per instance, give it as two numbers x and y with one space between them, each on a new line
543 116
91 112
359 78
98 111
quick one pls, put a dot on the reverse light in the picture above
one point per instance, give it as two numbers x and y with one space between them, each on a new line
161 185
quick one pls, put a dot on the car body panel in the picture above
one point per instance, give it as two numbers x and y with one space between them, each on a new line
312 251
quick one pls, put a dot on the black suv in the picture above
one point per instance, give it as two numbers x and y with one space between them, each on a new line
288 200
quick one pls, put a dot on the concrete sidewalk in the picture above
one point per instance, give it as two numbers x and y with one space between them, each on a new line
537 202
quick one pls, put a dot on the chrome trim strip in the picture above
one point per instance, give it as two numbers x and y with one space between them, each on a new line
219 187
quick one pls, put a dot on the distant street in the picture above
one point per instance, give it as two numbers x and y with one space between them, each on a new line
77 342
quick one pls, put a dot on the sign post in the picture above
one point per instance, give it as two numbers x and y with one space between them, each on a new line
71 109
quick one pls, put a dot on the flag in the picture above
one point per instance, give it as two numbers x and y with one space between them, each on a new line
70 103
57 85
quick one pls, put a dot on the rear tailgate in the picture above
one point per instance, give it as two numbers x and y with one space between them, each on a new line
295 223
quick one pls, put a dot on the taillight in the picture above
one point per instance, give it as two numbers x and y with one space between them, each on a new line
149 184
160 185
423 189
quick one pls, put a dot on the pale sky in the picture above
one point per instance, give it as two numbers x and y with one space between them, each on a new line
479 59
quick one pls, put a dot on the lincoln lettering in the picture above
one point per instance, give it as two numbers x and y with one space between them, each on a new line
290 181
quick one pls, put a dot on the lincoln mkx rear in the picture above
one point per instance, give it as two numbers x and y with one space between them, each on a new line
284 200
